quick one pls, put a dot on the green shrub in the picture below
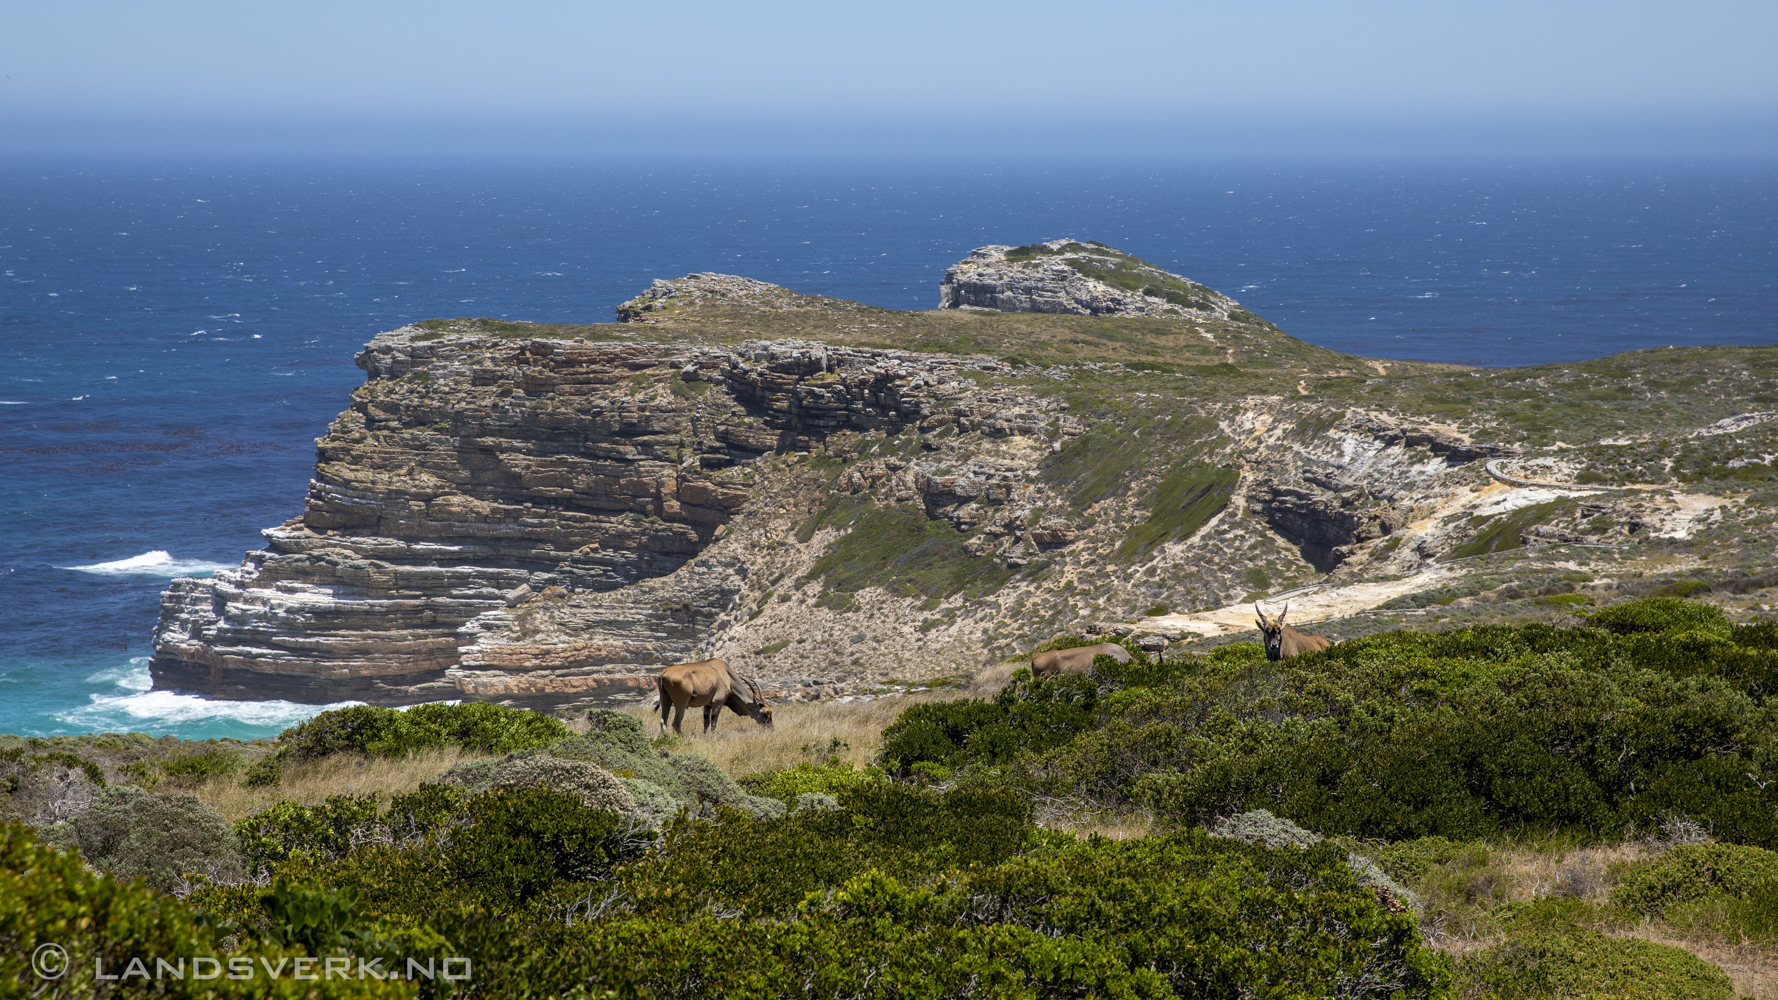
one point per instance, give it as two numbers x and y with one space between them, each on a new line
1029 715
48 897
264 772
1547 955
475 727
1467 734
805 779
157 837
1449 879
519 841
1661 614
654 804
1299 914
766 867
370 731
1754 914
1687 874
1237 652
206 763
497 851
1261 827
327 830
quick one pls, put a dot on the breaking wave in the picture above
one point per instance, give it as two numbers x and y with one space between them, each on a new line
159 562
131 706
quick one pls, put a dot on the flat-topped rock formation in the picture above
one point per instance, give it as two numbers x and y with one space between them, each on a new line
1068 276
476 480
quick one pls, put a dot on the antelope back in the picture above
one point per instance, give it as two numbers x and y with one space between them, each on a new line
1295 643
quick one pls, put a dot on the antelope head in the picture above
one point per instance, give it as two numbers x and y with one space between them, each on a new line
762 712
1271 631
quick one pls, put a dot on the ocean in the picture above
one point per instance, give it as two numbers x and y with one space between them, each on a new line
175 335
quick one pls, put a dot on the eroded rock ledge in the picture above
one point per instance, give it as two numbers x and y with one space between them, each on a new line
475 480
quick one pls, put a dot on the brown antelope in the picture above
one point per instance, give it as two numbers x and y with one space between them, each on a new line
712 685
1282 641
1078 660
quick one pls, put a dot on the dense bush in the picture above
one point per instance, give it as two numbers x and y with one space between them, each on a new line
1261 827
791 783
1661 614
326 830
894 890
1029 715
496 851
1462 734
1064 918
157 837
48 897
1548 954
369 731
1687 874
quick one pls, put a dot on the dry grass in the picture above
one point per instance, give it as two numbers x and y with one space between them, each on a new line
339 775
1580 873
989 682
1086 818
801 731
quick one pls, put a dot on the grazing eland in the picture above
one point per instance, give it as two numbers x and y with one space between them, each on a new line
711 685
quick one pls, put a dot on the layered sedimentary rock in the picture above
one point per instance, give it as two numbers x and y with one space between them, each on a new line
476 482
544 515
1067 276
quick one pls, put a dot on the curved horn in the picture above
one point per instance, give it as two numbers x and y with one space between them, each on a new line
1286 611
1257 611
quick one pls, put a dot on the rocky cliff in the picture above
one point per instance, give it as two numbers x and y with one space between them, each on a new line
838 497
1068 276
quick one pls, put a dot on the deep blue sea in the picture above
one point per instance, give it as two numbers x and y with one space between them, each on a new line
174 336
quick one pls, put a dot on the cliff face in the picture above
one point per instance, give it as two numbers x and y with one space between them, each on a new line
475 482
545 515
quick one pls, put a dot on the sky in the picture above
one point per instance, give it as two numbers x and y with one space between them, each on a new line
981 77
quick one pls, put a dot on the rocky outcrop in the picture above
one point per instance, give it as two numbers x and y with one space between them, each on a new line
1066 276
665 296
476 483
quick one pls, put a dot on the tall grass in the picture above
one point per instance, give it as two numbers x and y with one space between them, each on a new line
801 732
312 782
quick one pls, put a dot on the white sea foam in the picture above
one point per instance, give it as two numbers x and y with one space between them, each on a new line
160 562
13 402
131 705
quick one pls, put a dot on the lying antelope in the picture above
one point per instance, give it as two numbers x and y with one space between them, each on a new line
712 685
1078 660
1282 641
